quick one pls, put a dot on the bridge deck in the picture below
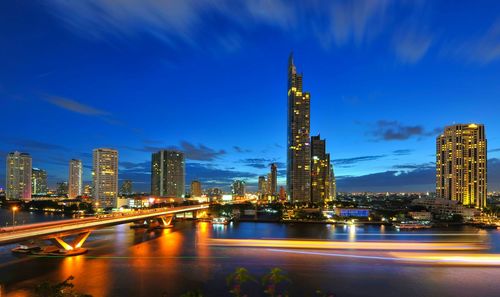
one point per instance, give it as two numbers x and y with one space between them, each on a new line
45 230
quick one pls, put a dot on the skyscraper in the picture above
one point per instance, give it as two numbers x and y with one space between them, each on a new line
298 146
126 188
333 184
195 188
62 188
320 170
18 176
105 177
38 181
75 178
238 188
273 180
461 164
262 186
168 174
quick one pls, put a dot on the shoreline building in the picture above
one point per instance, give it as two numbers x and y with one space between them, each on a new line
126 188
461 164
38 181
75 178
105 177
262 186
18 177
238 188
333 184
298 138
320 170
273 180
168 174
196 188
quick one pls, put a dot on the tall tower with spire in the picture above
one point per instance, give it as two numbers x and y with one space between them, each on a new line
298 175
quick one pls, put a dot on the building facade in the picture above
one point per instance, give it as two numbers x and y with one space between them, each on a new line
461 164
196 188
18 177
38 181
168 174
333 184
105 177
238 188
262 186
273 180
298 138
75 186
320 170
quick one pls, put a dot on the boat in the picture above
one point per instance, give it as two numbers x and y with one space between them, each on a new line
409 225
26 249
220 221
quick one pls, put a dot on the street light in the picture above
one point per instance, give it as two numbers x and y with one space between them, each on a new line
14 208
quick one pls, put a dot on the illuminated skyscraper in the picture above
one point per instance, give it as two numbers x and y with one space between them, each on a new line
18 176
238 188
262 186
75 178
298 145
168 174
273 180
461 164
320 170
38 181
196 188
105 177
333 184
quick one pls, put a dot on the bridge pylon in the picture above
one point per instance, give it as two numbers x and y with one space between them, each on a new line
75 247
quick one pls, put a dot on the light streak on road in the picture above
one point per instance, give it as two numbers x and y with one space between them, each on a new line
348 245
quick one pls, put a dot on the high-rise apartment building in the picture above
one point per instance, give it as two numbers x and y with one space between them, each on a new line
18 176
196 188
238 188
333 184
262 186
461 164
75 186
298 144
273 180
38 181
168 174
320 170
105 177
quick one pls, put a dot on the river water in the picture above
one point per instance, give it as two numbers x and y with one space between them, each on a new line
130 262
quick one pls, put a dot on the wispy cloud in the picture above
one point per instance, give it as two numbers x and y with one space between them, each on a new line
75 106
411 46
194 152
350 161
394 130
34 145
402 152
239 149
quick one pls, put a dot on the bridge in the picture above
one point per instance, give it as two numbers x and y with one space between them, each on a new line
81 228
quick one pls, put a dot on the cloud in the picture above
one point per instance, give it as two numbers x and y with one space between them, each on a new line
494 150
198 152
428 165
354 160
411 46
239 149
30 145
394 130
422 179
260 163
483 50
402 152
212 176
75 106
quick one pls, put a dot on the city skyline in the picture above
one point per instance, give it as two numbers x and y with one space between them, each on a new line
380 109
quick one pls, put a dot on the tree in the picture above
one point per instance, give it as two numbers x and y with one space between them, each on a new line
62 289
272 280
236 279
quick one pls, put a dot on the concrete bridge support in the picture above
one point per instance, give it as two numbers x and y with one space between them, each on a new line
75 247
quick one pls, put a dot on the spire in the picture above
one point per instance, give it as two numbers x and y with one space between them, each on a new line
290 59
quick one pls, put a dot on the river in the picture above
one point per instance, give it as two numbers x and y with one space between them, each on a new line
130 262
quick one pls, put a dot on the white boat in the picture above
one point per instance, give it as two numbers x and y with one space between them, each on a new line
220 221
413 225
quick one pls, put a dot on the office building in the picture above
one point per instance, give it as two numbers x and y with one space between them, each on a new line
62 188
105 177
168 174
18 176
461 164
38 181
196 188
273 180
320 170
333 184
238 188
262 186
75 179
298 143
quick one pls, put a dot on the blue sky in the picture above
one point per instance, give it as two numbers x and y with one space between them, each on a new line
209 78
